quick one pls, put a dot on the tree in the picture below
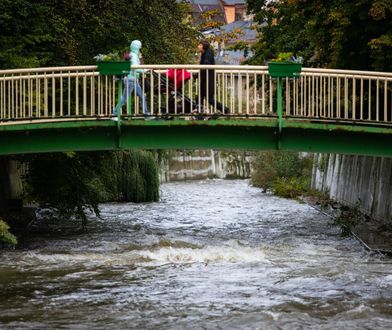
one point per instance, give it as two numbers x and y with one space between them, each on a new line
71 32
337 34
287 173
66 181
75 182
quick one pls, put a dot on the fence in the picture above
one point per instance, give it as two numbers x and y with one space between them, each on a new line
79 92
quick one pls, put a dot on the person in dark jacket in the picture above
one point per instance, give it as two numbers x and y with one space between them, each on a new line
207 77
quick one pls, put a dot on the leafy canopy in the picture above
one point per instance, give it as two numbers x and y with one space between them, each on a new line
70 32
337 33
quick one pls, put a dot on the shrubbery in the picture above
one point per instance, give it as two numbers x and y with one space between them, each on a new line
288 174
5 236
74 182
130 176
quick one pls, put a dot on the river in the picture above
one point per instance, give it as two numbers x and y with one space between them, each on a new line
211 254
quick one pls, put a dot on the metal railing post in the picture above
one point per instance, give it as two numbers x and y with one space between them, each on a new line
280 104
355 97
280 110
129 105
119 96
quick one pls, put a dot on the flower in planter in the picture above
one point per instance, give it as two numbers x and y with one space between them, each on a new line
111 57
285 65
288 57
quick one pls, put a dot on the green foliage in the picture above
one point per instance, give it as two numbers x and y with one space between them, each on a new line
240 45
130 176
291 187
63 32
338 33
74 182
283 57
5 236
108 57
60 32
210 19
264 170
66 181
287 173
323 162
348 219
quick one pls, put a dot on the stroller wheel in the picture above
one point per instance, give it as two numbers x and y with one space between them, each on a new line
167 117
198 115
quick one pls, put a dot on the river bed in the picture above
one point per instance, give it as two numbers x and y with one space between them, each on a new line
211 254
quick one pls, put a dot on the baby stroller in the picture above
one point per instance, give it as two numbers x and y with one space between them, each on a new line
171 83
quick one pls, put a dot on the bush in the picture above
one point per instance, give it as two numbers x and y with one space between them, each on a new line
73 182
287 173
65 181
130 176
348 219
290 187
264 171
5 236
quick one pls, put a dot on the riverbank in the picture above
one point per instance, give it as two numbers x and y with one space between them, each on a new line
373 235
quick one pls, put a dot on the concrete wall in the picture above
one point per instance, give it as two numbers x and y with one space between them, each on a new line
357 180
202 164
11 185
4 185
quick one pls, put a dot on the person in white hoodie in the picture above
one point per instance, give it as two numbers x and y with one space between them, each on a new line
132 81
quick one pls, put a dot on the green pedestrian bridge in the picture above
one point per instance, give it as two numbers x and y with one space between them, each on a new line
70 109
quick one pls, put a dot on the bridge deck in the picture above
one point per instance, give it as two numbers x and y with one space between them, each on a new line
261 134
69 108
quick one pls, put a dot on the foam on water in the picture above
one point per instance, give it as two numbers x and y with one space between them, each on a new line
212 254
208 254
165 251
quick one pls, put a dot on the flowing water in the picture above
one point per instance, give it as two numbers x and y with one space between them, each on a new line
211 254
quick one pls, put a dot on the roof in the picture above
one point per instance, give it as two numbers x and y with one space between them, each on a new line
215 2
202 6
249 34
204 2
233 2
232 57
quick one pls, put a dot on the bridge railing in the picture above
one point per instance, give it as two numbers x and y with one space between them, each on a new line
55 93
234 90
61 93
340 95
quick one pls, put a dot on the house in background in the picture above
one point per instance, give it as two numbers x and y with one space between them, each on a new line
228 11
200 6
248 32
235 10
232 17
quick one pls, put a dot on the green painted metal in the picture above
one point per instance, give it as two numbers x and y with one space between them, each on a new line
284 69
114 68
279 108
119 95
248 134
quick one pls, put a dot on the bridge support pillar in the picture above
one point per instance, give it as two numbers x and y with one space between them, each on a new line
10 186
5 191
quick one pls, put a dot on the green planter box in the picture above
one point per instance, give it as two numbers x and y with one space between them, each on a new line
118 68
284 69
